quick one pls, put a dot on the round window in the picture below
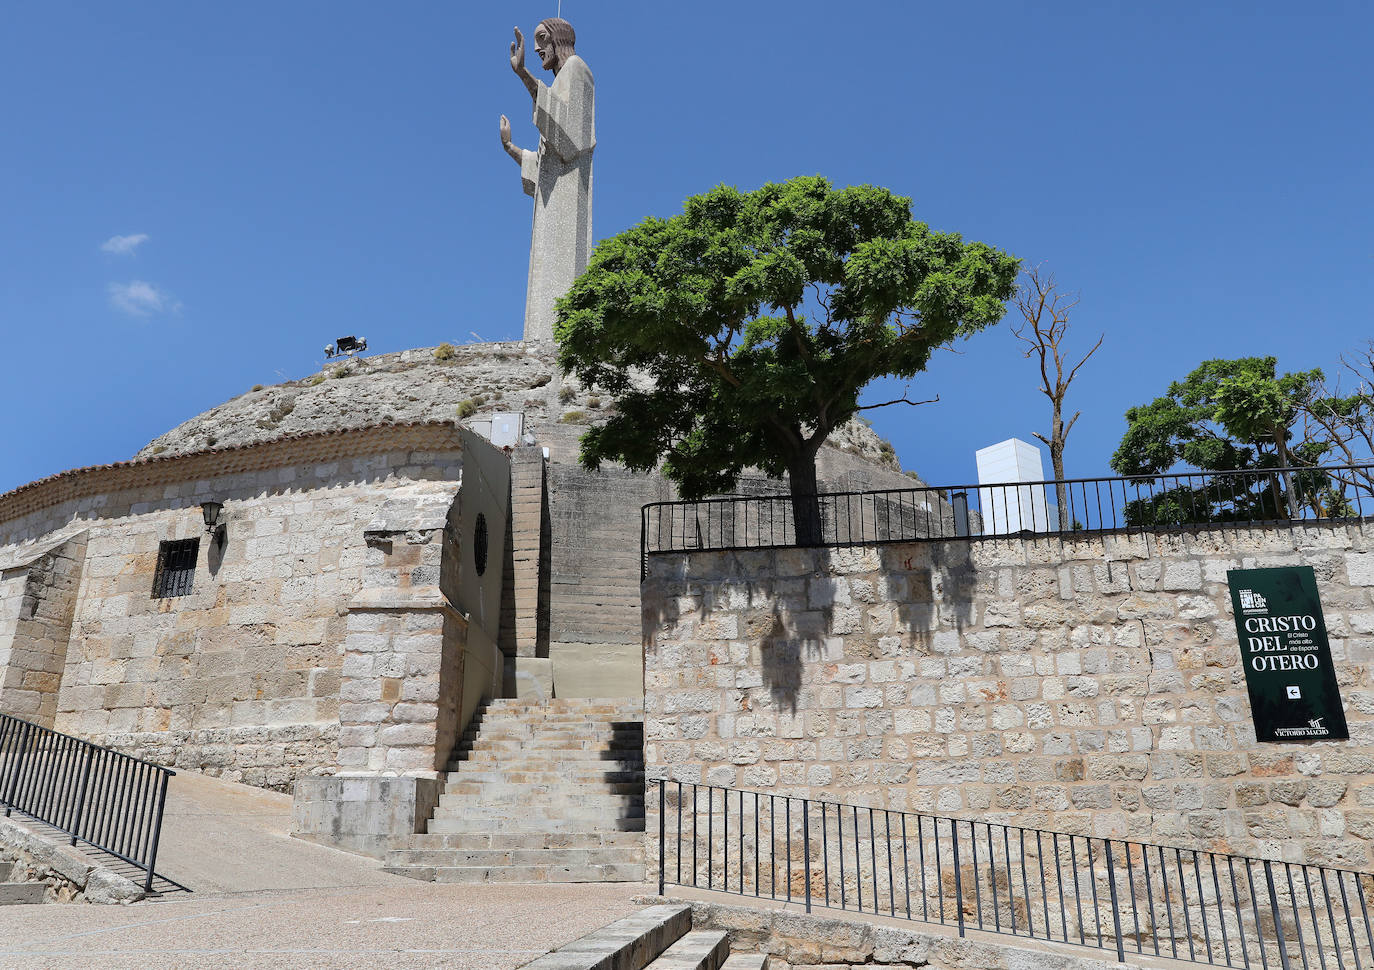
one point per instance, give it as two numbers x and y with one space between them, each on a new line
479 543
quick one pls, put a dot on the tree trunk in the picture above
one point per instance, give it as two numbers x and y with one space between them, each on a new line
1061 491
806 506
1281 447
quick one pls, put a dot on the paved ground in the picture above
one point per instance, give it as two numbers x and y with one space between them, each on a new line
243 893
413 926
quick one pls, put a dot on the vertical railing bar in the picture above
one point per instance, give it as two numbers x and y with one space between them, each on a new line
858 861
873 858
694 834
1331 918
906 865
806 851
839 842
1130 885
132 805
662 833
157 831
1077 893
1025 885
891 885
1254 906
1316 921
679 833
1349 922
1183 892
1297 919
787 807
958 876
756 843
1221 914
1240 913
977 891
1202 906
1044 889
1059 882
1278 917
1168 903
724 840
939 870
80 806
1150 894
1116 908
1364 912
773 845
992 878
1011 899
825 855
1092 880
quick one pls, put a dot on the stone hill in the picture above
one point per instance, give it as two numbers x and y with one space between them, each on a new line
465 383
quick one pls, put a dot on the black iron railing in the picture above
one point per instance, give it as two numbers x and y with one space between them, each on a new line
1113 894
95 795
1078 505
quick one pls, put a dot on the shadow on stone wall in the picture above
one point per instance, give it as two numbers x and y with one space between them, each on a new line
789 602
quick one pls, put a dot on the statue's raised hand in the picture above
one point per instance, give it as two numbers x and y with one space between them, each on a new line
517 53
505 130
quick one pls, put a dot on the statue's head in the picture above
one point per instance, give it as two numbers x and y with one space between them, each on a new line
554 40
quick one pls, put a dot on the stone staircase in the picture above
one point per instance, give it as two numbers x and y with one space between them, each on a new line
657 938
538 792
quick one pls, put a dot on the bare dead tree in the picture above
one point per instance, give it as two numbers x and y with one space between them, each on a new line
1045 312
1342 420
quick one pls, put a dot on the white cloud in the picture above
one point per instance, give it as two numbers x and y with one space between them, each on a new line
124 245
140 299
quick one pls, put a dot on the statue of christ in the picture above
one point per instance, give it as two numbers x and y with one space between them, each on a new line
559 174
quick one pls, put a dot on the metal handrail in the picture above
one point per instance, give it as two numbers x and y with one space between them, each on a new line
96 795
1071 506
1111 894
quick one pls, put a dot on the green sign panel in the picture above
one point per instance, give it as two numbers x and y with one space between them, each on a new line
1287 659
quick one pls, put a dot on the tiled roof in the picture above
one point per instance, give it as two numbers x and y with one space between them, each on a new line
289 449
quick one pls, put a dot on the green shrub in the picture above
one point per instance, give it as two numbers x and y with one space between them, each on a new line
573 417
159 449
340 371
444 351
593 401
467 408
318 379
479 399
566 394
256 387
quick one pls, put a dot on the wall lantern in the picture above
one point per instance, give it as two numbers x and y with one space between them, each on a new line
214 522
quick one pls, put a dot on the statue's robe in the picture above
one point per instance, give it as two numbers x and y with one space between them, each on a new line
559 176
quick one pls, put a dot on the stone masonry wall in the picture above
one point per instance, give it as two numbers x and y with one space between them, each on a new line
1088 686
240 678
37 600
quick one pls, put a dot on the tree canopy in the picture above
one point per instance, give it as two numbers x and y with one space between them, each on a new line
1226 415
741 332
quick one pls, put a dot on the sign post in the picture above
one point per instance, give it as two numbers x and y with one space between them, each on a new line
1286 656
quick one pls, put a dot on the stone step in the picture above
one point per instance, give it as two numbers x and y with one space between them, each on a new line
21 893
697 950
488 858
439 824
517 745
530 801
521 789
507 840
499 874
626 944
519 756
590 816
475 774
746 961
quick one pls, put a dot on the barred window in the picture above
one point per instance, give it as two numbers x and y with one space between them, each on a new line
176 567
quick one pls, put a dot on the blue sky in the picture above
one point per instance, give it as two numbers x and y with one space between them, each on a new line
283 173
